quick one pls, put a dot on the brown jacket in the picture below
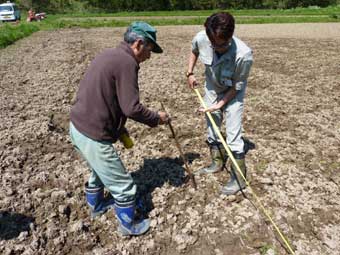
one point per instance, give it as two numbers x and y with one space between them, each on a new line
109 94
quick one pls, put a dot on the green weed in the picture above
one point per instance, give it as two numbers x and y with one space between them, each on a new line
265 248
261 166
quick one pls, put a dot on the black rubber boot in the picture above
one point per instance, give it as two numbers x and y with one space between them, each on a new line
236 182
248 145
218 159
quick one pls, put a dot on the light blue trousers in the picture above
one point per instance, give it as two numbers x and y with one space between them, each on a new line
107 170
232 113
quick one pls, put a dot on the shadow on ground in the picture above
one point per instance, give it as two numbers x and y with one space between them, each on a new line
156 172
12 224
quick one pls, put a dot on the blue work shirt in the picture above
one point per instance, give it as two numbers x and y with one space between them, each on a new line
229 69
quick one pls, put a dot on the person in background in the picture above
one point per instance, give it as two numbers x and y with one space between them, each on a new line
30 15
227 62
108 95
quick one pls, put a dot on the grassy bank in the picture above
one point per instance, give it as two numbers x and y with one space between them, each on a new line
10 32
249 12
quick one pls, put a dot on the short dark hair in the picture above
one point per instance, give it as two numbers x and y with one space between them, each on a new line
221 25
130 37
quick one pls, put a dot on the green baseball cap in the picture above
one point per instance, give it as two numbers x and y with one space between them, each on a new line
144 29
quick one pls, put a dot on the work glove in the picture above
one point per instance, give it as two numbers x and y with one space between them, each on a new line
126 140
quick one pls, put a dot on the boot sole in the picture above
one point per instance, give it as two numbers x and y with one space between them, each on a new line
123 232
232 192
100 213
201 172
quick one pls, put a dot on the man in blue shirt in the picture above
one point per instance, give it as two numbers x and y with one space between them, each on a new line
227 63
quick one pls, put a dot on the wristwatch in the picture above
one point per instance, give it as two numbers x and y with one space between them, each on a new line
187 74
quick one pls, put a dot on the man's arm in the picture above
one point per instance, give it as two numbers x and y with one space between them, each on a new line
128 96
190 73
129 102
239 80
228 96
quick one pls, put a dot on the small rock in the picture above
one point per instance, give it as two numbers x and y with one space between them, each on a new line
32 226
231 198
52 215
8 251
181 247
51 231
150 244
28 251
77 227
153 223
178 239
103 218
59 240
270 252
58 194
9 191
160 220
49 157
218 252
64 210
265 180
212 230
23 236
97 251
331 243
181 202
35 243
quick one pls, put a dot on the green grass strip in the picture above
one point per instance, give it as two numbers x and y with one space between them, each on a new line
111 22
247 12
9 33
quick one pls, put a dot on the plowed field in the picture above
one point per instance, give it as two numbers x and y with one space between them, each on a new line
292 114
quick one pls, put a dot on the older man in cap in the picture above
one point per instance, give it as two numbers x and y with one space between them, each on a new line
108 95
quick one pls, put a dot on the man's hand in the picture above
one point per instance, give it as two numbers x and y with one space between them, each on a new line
163 118
212 108
192 83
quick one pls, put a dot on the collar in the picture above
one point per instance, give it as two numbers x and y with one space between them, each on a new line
127 49
226 56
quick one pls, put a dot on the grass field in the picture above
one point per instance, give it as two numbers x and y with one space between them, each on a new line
9 33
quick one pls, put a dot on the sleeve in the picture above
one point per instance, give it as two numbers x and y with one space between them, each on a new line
194 45
128 96
242 70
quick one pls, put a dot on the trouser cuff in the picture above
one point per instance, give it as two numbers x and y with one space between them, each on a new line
125 203
238 155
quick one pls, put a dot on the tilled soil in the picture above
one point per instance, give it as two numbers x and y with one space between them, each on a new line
291 113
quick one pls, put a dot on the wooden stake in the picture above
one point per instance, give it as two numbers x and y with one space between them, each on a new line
187 169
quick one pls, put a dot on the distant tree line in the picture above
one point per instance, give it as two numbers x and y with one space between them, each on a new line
60 6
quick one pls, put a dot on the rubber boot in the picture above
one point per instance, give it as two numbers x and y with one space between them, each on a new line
236 182
96 201
248 145
128 225
218 159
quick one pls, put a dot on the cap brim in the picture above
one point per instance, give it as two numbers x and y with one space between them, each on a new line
157 48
